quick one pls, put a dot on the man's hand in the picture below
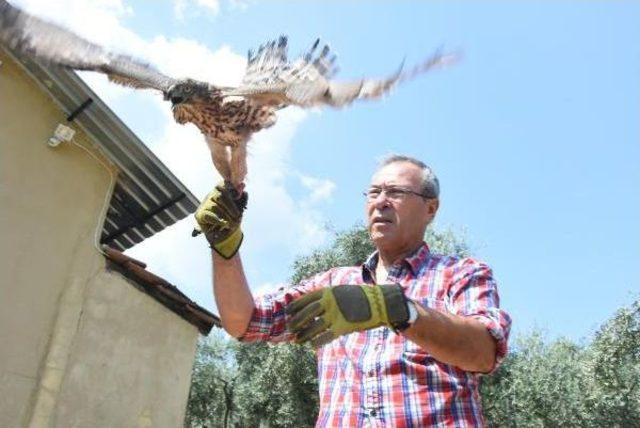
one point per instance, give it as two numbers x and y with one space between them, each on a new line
219 216
323 315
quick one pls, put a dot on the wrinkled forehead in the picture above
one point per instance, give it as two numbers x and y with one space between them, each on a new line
397 173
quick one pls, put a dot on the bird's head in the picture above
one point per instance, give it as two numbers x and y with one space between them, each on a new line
186 94
188 91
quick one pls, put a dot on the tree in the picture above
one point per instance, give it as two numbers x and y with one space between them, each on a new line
213 380
352 247
563 384
539 385
613 365
277 385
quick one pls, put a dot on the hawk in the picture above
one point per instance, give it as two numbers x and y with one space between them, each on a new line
226 116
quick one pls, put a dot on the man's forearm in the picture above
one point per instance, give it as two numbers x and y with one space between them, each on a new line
232 294
460 341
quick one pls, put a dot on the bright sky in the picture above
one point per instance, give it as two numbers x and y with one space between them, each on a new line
535 135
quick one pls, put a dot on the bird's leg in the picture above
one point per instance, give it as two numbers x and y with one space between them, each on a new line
239 166
220 157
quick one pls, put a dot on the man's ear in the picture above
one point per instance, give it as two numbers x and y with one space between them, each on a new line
433 204
432 207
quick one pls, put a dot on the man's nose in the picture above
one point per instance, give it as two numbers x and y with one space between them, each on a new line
381 199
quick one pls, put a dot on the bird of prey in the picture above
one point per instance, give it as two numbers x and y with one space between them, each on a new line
226 116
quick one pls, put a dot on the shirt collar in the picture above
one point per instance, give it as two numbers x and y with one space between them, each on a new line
413 260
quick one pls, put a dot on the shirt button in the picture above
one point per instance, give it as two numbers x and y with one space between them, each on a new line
372 373
373 412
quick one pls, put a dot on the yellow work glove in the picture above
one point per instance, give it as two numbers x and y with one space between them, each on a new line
219 216
325 314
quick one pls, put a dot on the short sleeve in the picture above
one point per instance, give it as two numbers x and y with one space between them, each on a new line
474 293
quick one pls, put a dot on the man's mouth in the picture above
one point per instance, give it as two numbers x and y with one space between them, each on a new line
380 220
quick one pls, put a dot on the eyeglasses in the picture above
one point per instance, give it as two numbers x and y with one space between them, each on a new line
392 193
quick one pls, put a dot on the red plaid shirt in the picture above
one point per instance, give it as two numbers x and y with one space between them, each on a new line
377 377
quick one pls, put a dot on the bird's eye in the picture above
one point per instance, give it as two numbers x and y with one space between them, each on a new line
188 89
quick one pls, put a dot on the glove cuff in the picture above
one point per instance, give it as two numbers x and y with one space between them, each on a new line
397 306
230 246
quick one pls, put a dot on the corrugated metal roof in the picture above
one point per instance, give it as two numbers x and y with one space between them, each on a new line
147 196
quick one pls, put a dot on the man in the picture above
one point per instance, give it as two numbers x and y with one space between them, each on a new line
402 339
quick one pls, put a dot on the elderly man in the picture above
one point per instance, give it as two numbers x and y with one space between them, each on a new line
402 339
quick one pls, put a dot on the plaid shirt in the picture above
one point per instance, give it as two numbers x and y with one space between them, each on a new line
377 377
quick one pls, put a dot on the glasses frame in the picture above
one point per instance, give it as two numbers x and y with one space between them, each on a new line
401 191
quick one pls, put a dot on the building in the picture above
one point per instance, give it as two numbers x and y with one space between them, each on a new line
88 337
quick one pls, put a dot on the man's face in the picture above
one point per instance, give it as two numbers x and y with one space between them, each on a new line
397 221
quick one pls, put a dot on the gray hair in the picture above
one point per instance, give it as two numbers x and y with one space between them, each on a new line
430 187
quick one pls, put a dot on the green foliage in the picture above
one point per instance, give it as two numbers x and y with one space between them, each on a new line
211 398
562 384
277 384
613 364
447 241
352 247
537 386
348 248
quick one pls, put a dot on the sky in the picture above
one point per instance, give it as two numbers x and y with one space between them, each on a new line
534 135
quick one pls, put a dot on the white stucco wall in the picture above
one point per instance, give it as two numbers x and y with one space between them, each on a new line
131 361
50 201
79 346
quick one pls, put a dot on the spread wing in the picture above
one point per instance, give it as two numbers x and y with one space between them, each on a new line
343 93
53 44
271 79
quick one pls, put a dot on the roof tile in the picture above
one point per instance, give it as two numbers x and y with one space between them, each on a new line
160 289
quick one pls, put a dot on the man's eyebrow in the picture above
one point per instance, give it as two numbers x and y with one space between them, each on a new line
387 186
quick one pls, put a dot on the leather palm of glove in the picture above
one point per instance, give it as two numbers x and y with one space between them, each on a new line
219 217
325 314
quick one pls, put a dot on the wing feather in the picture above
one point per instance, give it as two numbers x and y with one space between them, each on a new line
271 79
53 44
343 93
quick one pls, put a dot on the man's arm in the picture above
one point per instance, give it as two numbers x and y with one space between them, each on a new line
460 341
232 294
219 217
325 314
473 335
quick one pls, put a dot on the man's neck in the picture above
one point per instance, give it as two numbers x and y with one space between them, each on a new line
386 258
